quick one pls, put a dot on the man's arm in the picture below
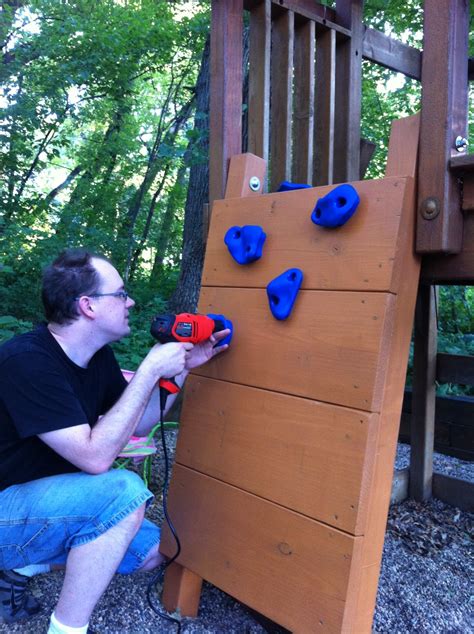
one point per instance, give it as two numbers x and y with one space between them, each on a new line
94 450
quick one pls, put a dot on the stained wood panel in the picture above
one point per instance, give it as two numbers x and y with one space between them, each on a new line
317 353
308 456
241 536
359 256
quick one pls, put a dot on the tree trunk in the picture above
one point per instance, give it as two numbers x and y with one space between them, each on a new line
186 294
163 239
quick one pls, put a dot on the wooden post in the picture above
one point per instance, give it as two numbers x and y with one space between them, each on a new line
225 117
259 79
348 92
325 104
443 118
303 114
424 394
282 98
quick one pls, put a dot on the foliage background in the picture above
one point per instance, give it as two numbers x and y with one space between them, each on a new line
102 120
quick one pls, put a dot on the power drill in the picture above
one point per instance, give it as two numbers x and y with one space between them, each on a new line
186 328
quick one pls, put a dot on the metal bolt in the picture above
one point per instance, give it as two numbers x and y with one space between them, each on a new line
254 183
460 143
430 208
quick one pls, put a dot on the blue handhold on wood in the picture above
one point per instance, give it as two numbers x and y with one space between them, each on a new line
245 243
227 324
287 186
282 292
335 209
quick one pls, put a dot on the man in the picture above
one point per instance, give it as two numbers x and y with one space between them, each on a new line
66 412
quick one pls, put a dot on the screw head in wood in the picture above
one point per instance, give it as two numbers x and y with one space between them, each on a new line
460 143
430 208
254 183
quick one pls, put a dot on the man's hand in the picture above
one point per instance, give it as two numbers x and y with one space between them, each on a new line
202 352
169 359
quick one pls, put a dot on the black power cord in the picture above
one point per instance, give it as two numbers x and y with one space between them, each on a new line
159 576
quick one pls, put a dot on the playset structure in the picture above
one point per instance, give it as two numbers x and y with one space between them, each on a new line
284 463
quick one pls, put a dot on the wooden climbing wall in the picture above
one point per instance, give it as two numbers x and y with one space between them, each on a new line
285 455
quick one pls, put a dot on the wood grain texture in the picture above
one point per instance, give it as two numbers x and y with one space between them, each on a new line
313 458
296 570
316 353
358 256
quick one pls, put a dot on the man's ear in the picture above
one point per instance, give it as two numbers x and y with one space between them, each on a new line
85 307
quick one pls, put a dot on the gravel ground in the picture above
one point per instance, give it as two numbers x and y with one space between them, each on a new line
425 583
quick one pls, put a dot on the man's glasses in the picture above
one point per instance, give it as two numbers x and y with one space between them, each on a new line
122 294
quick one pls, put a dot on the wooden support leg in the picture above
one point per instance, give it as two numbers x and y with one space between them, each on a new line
424 395
181 590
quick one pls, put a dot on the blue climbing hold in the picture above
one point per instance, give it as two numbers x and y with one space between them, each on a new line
286 186
282 292
227 324
335 209
245 243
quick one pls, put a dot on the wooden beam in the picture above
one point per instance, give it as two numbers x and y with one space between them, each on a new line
282 98
455 368
348 93
452 269
424 395
225 117
443 118
462 164
325 87
303 111
259 79
468 193
454 491
323 16
381 49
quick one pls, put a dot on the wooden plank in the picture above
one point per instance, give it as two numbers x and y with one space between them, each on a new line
303 113
443 118
259 79
296 570
403 147
322 356
325 87
424 394
360 255
365 590
348 92
390 53
243 168
225 116
310 457
454 491
282 98
455 368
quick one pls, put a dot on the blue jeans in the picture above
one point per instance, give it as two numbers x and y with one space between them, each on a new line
40 521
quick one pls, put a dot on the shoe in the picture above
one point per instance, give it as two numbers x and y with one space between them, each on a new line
15 602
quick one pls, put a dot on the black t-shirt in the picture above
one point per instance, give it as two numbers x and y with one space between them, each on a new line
41 390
